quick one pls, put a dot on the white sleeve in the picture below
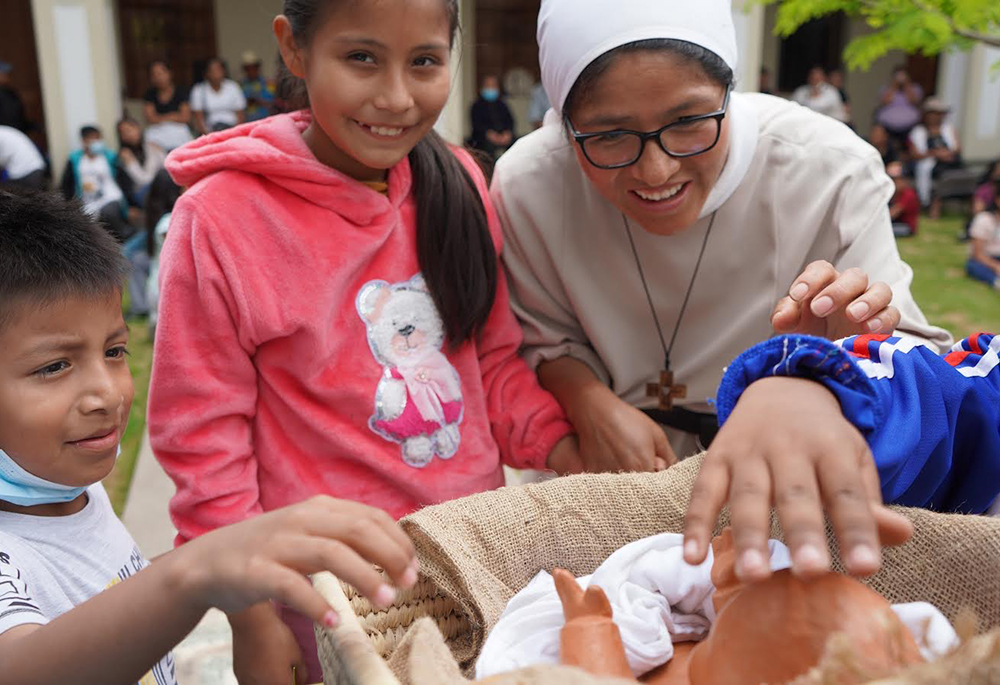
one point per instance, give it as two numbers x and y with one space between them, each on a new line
239 100
197 98
17 604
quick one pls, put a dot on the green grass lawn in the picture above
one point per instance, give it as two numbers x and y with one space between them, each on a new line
140 361
949 298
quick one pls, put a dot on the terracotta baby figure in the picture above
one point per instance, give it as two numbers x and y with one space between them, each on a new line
772 631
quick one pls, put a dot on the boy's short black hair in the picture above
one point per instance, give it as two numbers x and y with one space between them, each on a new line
89 131
50 249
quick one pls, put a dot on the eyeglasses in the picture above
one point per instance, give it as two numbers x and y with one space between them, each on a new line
686 137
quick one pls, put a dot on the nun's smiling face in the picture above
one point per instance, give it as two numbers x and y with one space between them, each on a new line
644 91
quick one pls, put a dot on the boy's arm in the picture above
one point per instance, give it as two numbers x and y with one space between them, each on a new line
118 635
932 421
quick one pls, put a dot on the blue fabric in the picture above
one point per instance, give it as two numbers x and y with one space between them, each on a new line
980 272
932 421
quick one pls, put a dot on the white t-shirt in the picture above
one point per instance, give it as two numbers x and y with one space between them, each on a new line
827 101
986 227
18 155
220 106
50 564
97 183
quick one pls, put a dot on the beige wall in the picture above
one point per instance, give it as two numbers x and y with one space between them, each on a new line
97 96
246 25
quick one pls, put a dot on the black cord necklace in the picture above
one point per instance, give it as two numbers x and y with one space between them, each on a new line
665 390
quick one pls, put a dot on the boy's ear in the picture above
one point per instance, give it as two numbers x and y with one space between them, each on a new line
291 53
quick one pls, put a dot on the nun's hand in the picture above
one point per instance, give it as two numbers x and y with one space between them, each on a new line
833 305
615 436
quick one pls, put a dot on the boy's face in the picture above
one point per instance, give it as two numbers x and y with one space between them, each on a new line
65 388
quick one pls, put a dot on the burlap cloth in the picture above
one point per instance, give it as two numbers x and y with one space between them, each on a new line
481 550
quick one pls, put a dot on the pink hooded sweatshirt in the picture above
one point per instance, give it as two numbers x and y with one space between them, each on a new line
298 351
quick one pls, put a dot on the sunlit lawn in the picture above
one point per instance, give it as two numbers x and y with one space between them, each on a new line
949 298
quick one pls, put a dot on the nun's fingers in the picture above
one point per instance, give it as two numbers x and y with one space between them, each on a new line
707 497
845 492
786 315
845 289
812 280
800 511
750 507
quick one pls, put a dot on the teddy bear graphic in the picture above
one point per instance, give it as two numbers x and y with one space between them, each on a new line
418 401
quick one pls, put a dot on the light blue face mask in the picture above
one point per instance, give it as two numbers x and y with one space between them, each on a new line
24 489
490 94
95 147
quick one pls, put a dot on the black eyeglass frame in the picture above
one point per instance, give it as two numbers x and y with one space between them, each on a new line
718 115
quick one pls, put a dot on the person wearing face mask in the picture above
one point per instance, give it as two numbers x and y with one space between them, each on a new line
492 122
660 222
94 176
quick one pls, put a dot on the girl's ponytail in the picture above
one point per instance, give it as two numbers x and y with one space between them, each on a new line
454 246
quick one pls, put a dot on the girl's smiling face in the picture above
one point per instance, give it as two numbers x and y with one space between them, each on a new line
377 74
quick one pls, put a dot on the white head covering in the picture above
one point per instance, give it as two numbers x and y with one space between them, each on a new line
573 33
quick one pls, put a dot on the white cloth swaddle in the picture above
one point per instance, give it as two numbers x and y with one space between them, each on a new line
656 599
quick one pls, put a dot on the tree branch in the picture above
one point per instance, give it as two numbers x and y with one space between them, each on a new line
965 33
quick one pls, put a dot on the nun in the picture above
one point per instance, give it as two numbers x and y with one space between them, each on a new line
659 223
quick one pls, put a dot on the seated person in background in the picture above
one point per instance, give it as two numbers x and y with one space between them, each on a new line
139 158
819 96
899 110
90 175
217 102
984 233
20 161
258 91
810 424
79 603
539 106
168 113
492 122
934 146
880 139
904 208
985 193
836 79
163 194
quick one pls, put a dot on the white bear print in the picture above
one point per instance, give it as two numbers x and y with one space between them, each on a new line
418 401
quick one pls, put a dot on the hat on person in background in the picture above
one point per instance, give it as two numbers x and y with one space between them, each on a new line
6 67
250 58
933 104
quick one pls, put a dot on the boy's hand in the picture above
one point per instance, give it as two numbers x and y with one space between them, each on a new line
265 650
268 557
833 305
788 443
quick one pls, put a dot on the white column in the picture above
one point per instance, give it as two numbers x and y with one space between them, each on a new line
978 121
453 123
748 19
78 64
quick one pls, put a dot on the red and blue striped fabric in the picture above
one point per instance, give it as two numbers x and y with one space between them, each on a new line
932 420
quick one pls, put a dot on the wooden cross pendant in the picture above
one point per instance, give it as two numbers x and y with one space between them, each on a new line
665 391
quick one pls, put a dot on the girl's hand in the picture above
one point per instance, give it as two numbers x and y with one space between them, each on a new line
265 650
268 557
788 443
833 305
615 436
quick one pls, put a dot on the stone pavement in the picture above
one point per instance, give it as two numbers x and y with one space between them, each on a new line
205 657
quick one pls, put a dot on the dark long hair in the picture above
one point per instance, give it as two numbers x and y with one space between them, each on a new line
454 246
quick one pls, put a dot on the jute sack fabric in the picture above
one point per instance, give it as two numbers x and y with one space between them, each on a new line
477 552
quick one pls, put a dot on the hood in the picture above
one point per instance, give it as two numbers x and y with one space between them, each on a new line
274 149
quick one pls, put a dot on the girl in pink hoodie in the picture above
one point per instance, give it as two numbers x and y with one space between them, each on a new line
333 319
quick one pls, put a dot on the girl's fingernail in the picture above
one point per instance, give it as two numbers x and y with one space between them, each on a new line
864 556
822 306
858 310
809 558
874 324
751 563
331 619
690 548
409 577
798 291
385 595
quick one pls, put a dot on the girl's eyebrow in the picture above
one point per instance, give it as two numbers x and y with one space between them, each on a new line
371 42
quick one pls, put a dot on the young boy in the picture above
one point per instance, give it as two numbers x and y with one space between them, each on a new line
809 422
78 603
